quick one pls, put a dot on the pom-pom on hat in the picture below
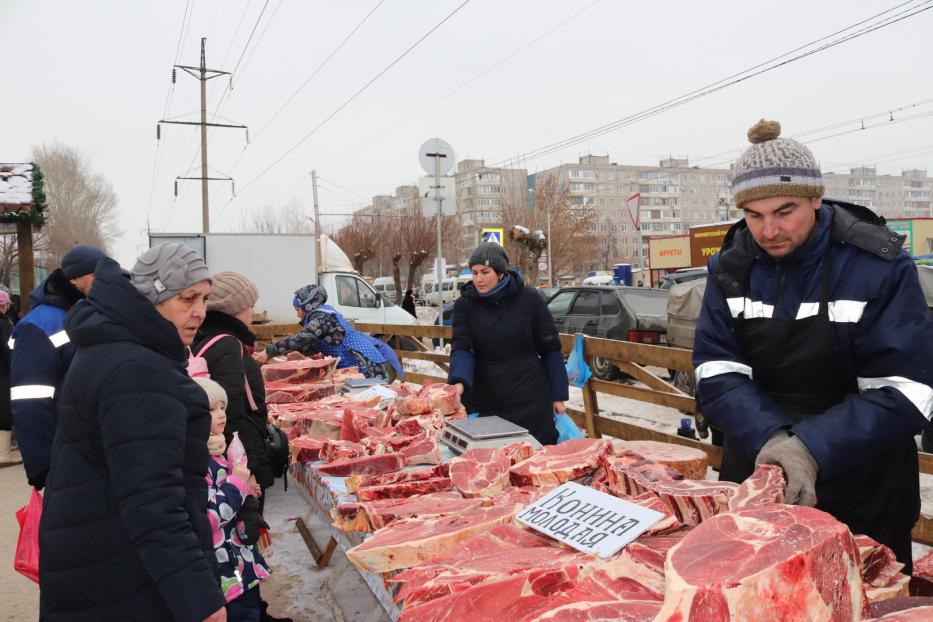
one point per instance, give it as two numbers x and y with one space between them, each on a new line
774 167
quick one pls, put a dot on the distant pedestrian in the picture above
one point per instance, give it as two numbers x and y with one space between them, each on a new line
7 454
408 303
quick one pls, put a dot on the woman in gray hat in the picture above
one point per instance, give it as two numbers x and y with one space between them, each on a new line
505 358
124 532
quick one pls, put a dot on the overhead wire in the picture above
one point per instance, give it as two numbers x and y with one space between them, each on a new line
471 80
356 94
756 70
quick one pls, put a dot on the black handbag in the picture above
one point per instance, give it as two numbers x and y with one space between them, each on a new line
277 450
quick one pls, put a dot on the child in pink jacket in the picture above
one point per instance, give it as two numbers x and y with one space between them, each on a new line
241 566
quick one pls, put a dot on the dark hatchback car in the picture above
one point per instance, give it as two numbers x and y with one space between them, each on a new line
612 312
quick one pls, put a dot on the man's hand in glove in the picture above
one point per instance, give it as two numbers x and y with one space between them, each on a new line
780 435
249 520
800 469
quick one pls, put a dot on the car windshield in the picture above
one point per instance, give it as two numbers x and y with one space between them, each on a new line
646 302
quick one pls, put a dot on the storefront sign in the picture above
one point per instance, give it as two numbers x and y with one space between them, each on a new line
669 253
705 241
588 520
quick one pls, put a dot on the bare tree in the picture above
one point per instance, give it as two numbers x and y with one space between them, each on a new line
573 238
359 240
82 205
287 218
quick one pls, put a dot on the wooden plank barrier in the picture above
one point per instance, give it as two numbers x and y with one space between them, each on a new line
631 358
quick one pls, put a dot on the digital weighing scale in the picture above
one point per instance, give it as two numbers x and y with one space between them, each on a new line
463 434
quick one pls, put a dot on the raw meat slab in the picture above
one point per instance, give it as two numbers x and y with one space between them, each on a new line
556 464
689 462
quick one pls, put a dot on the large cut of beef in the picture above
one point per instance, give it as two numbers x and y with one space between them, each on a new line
408 542
689 462
364 465
306 448
341 450
301 371
556 464
422 450
880 570
421 423
598 598
764 486
304 392
401 490
923 613
494 601
772 562
356 481
480 472
371 515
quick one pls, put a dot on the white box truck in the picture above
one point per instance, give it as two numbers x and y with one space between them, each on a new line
279 264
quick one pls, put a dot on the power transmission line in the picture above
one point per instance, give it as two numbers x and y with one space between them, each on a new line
476 77
736 78
352 97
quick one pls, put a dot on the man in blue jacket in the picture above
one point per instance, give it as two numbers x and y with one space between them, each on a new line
814 347
41 354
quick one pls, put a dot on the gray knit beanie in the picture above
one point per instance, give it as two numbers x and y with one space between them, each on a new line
774 167
231 293
492 255
168 269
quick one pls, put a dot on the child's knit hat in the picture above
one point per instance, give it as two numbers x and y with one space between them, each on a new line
215 392
774 167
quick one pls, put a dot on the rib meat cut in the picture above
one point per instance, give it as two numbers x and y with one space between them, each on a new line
408 542
403 489
386 463
357 481
371 515
773 562
556 464
301 371
764 486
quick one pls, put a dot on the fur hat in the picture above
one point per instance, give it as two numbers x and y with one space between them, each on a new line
774 167
80 259
492 255
231 293
215 392
168 269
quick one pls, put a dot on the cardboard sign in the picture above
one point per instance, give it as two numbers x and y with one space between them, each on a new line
588 520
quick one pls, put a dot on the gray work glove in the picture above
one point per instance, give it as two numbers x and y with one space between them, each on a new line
780 435
800 469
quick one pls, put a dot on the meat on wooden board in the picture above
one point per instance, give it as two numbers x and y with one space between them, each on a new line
689 462
773 562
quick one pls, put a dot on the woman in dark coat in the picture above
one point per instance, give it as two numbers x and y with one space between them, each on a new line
7 454
505 356
231 365
124 533
408 303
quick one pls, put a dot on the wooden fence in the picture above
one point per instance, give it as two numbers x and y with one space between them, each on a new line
631 358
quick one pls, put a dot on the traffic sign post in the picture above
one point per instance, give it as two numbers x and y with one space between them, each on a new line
493 235
435 155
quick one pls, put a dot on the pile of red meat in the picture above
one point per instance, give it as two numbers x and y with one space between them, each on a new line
723 551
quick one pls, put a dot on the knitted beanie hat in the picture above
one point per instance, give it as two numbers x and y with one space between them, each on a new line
231 293
166 270
80 259
492 255
215 392
774 167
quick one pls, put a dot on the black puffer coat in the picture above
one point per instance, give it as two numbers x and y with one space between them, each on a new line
229 361
124 532
506 352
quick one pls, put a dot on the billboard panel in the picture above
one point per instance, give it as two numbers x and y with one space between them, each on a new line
669 253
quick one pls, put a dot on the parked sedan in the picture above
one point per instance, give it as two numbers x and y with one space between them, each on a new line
612 312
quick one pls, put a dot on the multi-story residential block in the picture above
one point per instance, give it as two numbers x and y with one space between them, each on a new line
482 194
893 196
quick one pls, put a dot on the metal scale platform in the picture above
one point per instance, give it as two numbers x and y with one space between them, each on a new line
464 434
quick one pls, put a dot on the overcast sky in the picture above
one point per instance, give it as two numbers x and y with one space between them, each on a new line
95 75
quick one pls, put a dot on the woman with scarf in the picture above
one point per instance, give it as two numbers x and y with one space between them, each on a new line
325 330
506 358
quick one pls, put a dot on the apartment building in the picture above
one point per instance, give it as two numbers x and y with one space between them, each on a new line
482 193
893 196
671 197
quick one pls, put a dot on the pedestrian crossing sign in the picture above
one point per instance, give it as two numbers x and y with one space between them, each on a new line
493 235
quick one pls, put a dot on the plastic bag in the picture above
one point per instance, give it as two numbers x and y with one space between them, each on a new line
578 372
26 560
567 430
236 453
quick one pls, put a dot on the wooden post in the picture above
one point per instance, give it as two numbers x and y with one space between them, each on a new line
27 271
590 404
